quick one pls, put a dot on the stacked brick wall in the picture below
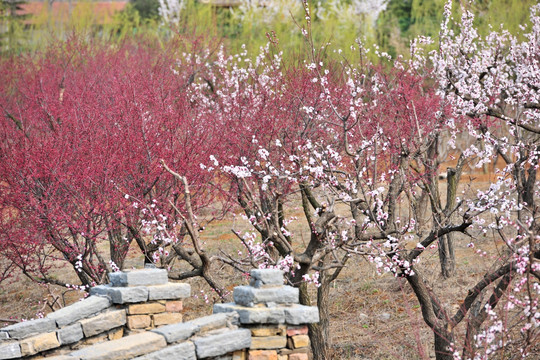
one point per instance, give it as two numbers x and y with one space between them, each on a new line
138 316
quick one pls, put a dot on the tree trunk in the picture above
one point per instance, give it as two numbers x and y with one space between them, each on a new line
446 256
443 339
318 333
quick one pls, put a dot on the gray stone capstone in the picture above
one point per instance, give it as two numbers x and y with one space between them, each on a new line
249 296
28 328
80 310
266 277
70 334
141 277
121 295
222 342
182 351
10 351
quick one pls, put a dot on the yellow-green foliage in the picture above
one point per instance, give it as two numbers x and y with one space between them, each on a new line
334 21
404 20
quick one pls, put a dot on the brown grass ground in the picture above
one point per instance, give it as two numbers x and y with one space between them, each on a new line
372 316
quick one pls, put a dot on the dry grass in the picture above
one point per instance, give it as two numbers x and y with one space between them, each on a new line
372 316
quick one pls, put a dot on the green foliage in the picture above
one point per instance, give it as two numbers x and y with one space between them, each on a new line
246 26
12 35
147 9
404 20
511 14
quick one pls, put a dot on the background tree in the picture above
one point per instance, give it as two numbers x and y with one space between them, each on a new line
11 25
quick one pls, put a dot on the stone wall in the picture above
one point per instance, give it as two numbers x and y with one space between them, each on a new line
138 315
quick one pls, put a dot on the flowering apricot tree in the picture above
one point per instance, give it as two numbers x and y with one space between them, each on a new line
83 130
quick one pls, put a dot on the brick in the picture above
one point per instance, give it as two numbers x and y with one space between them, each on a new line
268 331
174 306
293 351
169 291
249 296
103 322
138 321
39 343
300 341
70 334
297 330
268 342
140 277
263 355
95 339
298 356
116 334
239 355
80 310
28 328
125 348
121 295
222 342
166 318
148 308
10 351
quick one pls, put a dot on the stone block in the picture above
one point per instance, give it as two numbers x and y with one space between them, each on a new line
268 342
278 330
266 277
4 335
61 357
301 314
125 348
10 351
293 351
222 342
169 291
166 318
140 277
80 310
174 306
116 334
148 308
215 321
253 315
39 343
121 295
138 321
103 322
298 356
239 355
177 332
263 355
300 341
297 330
95 339
70 334
182 351
282 357
249 296
28 328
